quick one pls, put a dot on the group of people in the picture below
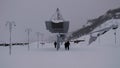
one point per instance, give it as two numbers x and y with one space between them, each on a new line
66 44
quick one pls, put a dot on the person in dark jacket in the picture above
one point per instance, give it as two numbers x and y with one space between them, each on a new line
67 44
55 43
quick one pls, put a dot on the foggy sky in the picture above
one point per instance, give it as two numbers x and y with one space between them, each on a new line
33 14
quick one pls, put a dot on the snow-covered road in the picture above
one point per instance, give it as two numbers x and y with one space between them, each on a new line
46 56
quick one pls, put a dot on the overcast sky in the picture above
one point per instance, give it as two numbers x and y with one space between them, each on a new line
33 14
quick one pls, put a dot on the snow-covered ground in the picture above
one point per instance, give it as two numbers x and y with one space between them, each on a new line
103 53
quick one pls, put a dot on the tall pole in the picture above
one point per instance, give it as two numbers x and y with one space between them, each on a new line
99 35
42 35
10 25
38 34
115 26
115 36
99 40
28 30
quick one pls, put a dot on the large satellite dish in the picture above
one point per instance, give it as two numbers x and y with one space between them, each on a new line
57 23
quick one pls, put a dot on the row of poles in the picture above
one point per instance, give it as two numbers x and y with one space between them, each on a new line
12 24
114 36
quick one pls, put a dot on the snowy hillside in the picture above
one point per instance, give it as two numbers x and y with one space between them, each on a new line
103 53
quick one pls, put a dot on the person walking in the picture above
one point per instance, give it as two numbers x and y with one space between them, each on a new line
67 44
55 43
